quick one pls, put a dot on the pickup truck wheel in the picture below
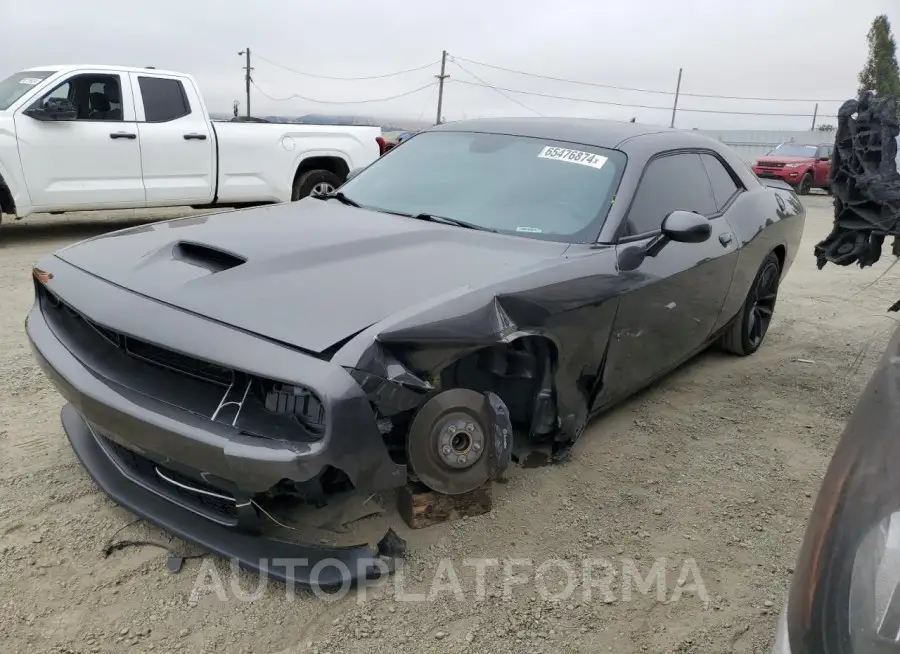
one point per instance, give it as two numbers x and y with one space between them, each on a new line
746 334
805 184
314 181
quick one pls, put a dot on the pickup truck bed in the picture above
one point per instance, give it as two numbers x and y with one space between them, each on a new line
79 138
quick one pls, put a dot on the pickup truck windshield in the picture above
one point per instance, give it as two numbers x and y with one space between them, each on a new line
529 187
791 150
18 84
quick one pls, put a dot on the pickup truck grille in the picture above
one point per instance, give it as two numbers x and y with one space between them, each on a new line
269 409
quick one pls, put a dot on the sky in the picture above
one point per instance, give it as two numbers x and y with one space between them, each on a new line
762 49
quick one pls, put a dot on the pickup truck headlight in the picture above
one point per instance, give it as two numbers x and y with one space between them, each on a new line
845 594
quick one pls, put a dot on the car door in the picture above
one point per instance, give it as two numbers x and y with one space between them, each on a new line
822 165
92 161
177 143
675 297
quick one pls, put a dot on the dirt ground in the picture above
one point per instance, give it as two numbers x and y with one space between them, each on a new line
715 469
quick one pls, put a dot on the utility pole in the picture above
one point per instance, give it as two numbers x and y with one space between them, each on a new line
441 79
247 78
815 114
677 93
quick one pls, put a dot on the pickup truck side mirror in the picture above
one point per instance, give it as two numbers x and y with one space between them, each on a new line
53 109
680 227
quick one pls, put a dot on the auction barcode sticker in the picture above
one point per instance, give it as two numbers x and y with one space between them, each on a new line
573 156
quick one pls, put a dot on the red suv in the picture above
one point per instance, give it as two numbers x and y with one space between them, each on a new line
802 166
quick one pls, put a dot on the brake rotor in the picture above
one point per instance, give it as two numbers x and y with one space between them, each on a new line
449 441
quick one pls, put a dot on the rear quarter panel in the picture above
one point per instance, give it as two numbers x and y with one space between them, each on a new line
258 161
761 224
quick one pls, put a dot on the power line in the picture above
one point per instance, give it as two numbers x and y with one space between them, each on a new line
297 96
637 90
635 106
347 79
483 83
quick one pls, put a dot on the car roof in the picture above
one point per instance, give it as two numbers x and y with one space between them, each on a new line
587 131
65 68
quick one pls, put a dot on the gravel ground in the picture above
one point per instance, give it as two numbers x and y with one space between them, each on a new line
710 475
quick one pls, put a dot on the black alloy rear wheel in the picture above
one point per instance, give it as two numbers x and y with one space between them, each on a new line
748 331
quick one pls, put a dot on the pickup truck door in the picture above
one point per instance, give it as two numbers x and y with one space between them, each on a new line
91 162
177 142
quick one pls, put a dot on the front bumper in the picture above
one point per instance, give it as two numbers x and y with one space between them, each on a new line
129 440
110 392
790 175
292 563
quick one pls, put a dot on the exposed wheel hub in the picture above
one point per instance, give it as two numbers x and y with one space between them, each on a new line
451 439
460 440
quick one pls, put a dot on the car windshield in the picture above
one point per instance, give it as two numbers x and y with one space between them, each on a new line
792 150
17 85
530 187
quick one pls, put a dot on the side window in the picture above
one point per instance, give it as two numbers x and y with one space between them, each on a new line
670 183
164 99
96 97
723 185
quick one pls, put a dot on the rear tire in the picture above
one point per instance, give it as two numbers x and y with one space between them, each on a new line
748 331
318 181
805 184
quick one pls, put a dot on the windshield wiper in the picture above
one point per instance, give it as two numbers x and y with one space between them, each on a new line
340 197
430 217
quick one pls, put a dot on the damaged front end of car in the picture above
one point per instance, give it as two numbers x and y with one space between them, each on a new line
465 388
254 449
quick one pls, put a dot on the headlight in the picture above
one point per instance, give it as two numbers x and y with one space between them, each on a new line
794 165
845 594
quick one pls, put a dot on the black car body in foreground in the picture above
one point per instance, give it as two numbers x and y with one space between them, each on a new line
485 278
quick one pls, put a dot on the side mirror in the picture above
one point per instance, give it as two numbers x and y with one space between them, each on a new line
681 227
686 227
53 109
826 158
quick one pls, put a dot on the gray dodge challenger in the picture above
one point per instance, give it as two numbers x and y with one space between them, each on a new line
468 301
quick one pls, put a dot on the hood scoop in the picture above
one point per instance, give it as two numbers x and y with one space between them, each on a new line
203 256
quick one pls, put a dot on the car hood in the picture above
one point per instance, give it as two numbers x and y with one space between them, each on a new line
308 273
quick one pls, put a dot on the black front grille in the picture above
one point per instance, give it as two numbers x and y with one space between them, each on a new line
771 164
170 360
219 505
254 405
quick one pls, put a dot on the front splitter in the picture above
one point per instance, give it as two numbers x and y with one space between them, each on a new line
291 563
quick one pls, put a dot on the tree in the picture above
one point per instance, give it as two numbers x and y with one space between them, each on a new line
881 73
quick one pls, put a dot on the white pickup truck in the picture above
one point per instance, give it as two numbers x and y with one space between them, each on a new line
80 138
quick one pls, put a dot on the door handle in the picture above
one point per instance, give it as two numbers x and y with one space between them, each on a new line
725 239
122 135
195 137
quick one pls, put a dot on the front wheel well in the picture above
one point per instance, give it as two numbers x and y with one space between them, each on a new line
521 372
780 252
335 165
7 203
